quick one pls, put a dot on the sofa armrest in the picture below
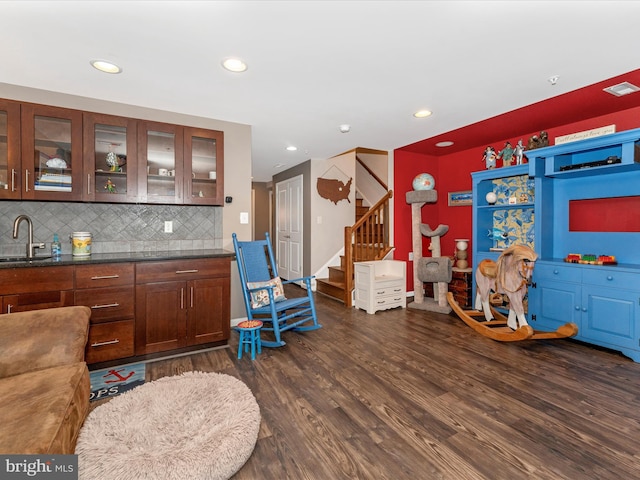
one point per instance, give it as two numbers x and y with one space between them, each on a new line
42 338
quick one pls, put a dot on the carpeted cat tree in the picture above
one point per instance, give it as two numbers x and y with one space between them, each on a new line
434 269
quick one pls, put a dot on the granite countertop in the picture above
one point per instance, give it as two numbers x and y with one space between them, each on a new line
96 258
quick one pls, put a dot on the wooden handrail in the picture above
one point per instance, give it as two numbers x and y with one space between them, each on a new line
366 167
367 239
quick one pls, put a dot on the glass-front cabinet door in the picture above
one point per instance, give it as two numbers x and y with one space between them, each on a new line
110 158
203 166
10 171
51 153
160 159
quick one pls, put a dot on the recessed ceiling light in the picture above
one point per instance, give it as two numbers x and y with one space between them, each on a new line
624 88
234 65
291 148
278 165
344 128
422 113
106 67
446 143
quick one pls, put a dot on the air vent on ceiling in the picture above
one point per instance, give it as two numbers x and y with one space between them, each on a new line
621 89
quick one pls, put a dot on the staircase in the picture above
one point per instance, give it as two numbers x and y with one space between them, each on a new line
367 239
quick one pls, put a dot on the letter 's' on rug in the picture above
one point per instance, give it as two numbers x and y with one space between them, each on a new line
191 426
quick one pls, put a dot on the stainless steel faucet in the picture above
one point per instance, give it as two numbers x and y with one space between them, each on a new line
30 245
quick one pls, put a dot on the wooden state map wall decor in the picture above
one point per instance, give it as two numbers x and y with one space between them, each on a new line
335 188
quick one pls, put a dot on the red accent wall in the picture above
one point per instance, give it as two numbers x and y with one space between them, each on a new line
453 173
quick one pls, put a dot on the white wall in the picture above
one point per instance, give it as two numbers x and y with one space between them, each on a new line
327 238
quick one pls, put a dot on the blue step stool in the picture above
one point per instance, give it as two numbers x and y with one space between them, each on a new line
249 337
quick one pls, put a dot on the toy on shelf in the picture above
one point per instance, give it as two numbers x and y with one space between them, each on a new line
590 259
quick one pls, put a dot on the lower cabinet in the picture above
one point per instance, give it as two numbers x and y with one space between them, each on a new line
137 308
108 290
603 301
26 289
181 304
380 285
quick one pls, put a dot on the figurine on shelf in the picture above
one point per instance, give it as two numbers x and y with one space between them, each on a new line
489 158
506 154
519 152
110 186
538 141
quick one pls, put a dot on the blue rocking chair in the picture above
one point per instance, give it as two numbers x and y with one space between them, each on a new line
263 292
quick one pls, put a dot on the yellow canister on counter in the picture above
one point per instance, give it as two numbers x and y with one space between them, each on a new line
81 244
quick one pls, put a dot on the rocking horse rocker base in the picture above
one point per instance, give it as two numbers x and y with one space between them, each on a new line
509 276
498 330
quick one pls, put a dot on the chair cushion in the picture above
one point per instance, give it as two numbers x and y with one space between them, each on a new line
260 298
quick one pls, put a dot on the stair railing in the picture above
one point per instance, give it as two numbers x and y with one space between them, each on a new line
366 240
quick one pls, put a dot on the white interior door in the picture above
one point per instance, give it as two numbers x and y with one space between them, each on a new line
289 228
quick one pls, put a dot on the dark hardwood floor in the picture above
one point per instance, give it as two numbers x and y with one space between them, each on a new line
406 394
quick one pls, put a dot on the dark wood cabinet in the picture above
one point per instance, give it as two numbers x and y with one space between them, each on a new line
110 158
10 166
108 290
181 303
51 153
59 154
25 289
137 308
461 286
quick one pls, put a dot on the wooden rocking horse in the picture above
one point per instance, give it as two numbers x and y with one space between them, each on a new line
509 276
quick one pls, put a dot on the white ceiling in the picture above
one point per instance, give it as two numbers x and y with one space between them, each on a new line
314 65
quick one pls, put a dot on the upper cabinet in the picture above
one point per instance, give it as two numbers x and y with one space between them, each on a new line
10 176
110 158
204 166
181 165
51 153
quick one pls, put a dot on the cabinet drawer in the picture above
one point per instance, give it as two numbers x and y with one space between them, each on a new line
36 279
389 288
556 272
110 341
107 303
107 275
390 302
611 278
151 272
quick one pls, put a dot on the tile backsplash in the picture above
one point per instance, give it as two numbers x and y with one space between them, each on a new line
114 227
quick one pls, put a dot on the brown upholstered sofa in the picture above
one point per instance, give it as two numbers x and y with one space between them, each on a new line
44 381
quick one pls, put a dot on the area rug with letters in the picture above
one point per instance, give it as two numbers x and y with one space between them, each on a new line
191 426
114 381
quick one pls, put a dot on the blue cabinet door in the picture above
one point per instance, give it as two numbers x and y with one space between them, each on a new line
554 304
611 316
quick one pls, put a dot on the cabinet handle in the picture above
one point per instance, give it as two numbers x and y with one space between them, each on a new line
178 272
109 342
108 305
26 180
577 307
9 307
191 300
88 184
555 272
13 179
182 299
104 277
609 277
584 309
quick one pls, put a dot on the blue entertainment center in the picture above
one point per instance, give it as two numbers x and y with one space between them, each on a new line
539 204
